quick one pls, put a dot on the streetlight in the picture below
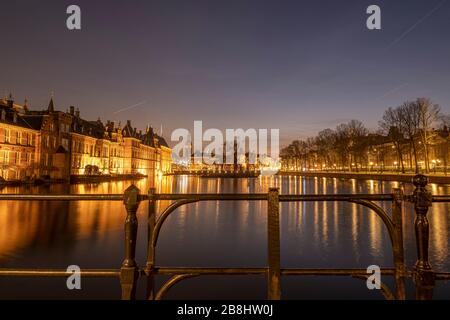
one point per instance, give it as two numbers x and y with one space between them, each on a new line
444 135
434 164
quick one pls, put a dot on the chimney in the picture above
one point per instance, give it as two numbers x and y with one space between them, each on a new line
10 101
15 117
129 123
3 115
25 105
77 113
72 110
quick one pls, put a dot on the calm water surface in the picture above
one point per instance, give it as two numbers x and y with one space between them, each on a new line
212 234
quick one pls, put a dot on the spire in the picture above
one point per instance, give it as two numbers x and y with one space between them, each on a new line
51 105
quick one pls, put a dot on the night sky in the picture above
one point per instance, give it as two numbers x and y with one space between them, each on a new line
300 66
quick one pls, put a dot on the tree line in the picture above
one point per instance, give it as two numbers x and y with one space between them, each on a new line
407 130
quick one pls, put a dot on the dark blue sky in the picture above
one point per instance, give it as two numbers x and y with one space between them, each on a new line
300 66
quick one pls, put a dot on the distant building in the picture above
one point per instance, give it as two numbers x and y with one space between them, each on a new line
53 144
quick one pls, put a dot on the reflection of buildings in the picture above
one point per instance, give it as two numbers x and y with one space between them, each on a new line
55 144
230 161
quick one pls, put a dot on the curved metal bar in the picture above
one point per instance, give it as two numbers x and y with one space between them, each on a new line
171 282
165 214
380 212
387 293
173 206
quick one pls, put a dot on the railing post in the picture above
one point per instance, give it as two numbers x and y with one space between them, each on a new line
129 271
399 253
273 237
423 274
150 249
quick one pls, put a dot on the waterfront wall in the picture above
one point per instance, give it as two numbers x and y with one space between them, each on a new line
406 177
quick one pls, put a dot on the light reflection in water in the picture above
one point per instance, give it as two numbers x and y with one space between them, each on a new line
313 234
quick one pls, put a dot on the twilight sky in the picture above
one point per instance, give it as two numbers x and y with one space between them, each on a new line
301 66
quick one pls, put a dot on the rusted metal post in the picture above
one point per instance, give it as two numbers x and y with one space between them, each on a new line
129 271
423 274
150 249
399 251
273 237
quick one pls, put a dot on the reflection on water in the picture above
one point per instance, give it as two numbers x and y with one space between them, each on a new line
214 234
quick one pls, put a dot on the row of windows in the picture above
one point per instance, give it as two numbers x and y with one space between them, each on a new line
65 128
79 147
14 157
142 155
17 137
77 163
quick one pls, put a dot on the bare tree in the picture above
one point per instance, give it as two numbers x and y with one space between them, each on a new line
428 114
325 141
343 145
392 126
409 118
409 127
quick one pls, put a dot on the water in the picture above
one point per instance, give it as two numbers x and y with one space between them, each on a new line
212 234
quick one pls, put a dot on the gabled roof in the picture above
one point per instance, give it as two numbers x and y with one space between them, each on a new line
93 129
129 132
14 118
148 138
162 142
34 121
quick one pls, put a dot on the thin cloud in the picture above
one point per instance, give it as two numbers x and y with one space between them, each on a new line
404 34
392 91
130 107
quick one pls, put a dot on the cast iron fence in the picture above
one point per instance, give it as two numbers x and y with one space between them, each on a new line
422 274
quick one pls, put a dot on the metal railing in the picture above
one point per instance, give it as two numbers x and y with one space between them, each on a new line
422 274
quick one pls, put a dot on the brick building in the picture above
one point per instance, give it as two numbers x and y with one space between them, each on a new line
53 144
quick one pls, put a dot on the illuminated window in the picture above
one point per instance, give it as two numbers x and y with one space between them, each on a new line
7 136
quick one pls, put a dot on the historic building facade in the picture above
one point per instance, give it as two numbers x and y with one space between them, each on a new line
18 142
51 144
